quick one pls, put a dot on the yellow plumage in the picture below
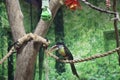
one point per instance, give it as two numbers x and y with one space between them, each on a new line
62 51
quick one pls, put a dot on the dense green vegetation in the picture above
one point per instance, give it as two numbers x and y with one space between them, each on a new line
85 35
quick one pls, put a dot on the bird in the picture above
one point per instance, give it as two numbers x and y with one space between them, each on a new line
65 52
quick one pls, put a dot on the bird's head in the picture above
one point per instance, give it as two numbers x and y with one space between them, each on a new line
61 48
60 45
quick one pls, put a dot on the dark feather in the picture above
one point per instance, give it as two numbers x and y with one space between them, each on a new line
70 57
68 53
74 70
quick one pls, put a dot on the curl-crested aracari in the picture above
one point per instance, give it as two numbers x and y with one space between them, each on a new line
65 52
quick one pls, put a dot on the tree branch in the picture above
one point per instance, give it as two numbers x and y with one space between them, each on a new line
116 28
43 26
102 10
97 8
15 19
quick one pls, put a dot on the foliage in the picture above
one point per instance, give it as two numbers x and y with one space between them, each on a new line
84 36
25 7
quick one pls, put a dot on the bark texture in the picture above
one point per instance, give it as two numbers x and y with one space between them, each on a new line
26 55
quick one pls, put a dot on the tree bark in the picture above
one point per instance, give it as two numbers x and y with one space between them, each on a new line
15 17
26 55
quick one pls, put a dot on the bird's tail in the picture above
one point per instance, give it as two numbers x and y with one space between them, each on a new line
74 70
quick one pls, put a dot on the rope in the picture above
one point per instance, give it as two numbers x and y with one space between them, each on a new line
7 55
85 59
22 40
54 48
66 61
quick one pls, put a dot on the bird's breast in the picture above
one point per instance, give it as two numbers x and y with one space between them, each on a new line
62 52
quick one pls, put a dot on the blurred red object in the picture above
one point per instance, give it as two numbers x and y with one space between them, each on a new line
108 4
73 4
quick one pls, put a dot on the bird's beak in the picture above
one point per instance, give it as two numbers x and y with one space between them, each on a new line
55 47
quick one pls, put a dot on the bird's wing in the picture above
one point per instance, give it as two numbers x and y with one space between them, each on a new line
68 53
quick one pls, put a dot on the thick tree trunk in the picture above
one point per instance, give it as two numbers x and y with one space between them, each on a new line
26 55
